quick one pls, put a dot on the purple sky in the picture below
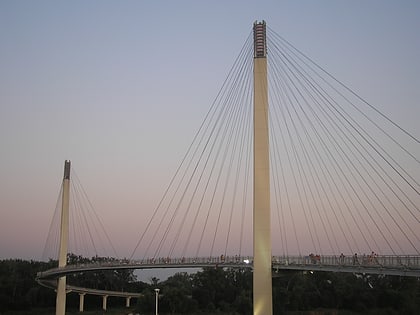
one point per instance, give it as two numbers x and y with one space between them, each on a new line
119 88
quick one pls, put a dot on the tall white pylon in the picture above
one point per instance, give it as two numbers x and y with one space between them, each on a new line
262 281
60 306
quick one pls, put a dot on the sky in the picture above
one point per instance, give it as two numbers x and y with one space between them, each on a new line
120 88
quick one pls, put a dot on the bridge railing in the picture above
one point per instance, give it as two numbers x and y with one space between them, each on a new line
331 260
194 260
361 260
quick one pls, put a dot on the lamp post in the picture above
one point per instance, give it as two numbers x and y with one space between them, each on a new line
157 296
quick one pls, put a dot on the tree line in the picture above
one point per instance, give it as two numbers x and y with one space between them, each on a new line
215 290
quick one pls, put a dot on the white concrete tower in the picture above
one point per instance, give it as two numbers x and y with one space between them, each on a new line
60 307
262 281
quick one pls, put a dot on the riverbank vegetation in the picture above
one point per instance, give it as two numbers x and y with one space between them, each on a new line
212 291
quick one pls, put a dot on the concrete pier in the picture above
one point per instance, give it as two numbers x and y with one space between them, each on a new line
104 299
81 302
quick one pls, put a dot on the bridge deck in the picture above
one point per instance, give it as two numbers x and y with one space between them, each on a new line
387 265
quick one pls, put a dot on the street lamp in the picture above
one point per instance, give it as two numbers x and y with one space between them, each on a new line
157 296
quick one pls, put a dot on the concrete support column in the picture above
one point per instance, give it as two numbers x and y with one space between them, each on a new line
104 298
60 302
127 301
262 281
60 305
81 302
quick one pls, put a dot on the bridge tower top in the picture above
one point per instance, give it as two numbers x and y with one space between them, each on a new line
67 165
260 43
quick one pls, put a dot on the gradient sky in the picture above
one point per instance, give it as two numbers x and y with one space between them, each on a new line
120 88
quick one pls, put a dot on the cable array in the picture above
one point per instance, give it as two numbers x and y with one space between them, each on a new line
205 209
355 185
344 176
87 234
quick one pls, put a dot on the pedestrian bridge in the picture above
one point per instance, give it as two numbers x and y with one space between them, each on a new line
328 172
368 264
371 264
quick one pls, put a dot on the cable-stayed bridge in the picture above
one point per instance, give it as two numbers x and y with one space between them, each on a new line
323 178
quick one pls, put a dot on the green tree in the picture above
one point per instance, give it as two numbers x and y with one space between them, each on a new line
222 290
18 288
146 302
177 294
